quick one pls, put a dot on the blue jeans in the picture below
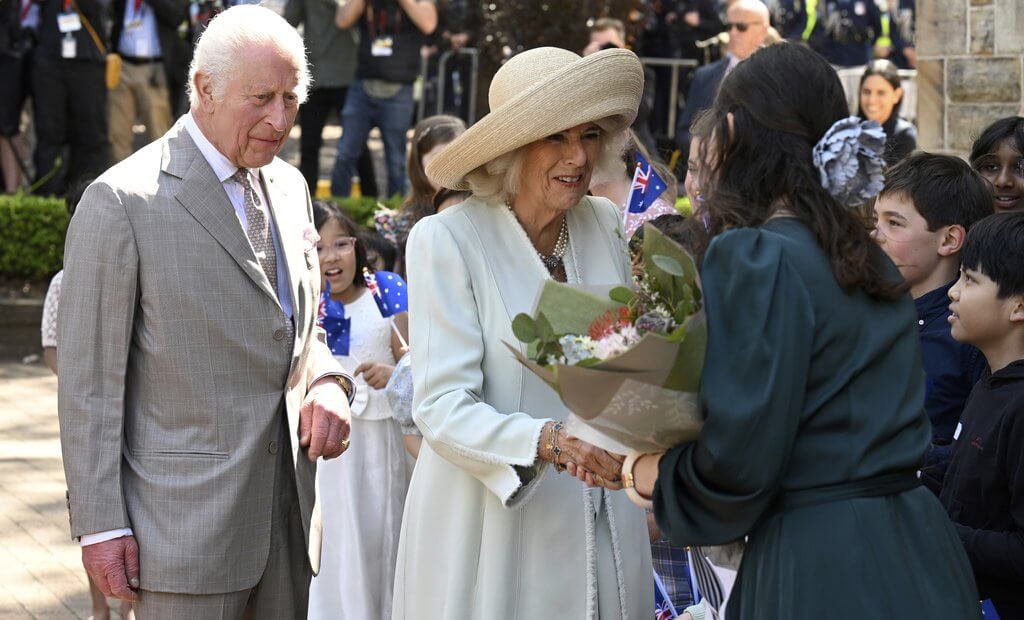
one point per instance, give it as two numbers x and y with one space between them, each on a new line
362 113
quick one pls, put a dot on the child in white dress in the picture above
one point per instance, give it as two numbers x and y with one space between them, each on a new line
362 494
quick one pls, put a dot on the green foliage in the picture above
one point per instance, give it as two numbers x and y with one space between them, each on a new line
32 241
672 272
33 229
622 295
525 328
362 209
684 207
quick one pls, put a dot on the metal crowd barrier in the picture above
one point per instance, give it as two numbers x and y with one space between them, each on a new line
442 66
441 81
676 65
673 101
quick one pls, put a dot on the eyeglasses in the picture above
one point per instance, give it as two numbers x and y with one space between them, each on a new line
344 245
741 26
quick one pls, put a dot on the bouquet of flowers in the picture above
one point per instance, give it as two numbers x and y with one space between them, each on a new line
626 362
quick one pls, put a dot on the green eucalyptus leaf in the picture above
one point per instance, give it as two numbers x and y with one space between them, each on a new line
544 330
669 265
525 328
622 295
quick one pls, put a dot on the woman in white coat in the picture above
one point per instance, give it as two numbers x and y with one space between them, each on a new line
490 529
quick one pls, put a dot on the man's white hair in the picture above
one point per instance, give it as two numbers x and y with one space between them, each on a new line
222 48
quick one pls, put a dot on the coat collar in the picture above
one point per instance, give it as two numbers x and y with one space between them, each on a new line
933 304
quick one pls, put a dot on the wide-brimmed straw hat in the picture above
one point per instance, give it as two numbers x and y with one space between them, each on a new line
541 92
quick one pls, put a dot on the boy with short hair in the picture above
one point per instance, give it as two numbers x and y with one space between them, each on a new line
922 216
983 489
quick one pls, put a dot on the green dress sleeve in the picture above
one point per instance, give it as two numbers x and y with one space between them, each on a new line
760 333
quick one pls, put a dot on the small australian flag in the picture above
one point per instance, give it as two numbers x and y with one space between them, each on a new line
647 186
389 291
663 608
331 316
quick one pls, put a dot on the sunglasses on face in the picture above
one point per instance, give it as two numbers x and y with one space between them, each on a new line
740 26
345 245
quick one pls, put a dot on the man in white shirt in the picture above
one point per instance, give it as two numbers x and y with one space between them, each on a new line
196 391
144 33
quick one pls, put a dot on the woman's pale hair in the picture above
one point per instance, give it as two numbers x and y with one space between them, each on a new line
221 50
497 181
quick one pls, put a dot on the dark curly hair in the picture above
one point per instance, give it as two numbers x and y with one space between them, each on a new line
770 112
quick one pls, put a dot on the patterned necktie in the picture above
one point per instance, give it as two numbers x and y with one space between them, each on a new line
258 228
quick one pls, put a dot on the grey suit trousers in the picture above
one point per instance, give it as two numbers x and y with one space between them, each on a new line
283 590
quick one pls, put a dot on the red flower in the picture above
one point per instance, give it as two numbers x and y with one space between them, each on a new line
609 323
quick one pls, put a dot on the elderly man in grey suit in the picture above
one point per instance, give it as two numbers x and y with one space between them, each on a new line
196 391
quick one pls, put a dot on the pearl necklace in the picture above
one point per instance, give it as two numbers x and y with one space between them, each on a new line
551 261
576 277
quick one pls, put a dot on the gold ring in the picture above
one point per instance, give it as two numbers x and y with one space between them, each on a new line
344 444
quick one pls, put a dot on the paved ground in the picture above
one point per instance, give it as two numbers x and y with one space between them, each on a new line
41 574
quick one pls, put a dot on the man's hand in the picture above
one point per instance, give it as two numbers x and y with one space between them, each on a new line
324 420
114 566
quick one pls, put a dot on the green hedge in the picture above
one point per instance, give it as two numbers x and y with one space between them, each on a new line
32 230
32 241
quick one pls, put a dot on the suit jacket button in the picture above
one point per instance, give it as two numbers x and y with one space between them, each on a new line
272 447
279 334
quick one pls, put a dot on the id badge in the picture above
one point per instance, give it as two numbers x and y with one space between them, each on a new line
68 47
142 47
68 22
381 46
859 8
956 433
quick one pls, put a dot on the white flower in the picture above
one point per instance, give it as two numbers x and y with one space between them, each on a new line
575 349
616 343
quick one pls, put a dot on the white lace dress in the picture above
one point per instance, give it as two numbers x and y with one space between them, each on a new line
362 494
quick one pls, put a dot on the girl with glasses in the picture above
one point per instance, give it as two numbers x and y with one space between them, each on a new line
363 497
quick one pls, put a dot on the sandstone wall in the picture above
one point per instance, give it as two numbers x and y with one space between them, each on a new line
970 69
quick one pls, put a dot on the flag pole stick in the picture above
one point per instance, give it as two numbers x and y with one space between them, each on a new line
405 345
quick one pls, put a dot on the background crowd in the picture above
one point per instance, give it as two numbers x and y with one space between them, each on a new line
83 91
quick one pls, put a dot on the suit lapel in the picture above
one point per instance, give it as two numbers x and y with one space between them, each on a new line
203 196
289 235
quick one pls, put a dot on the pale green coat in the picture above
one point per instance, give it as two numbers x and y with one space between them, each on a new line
476 541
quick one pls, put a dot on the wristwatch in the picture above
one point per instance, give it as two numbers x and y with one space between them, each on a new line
347 386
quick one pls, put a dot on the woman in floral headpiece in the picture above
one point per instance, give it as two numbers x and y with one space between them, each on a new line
812 383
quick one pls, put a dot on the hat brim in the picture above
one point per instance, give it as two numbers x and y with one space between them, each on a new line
604 88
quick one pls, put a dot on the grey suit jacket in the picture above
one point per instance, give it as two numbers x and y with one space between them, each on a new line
175 367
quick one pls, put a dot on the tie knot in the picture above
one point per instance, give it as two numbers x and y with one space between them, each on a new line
242 176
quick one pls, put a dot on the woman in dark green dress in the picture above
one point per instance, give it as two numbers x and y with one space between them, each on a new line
813 383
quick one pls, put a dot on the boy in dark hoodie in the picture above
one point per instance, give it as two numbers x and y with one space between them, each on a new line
983 488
